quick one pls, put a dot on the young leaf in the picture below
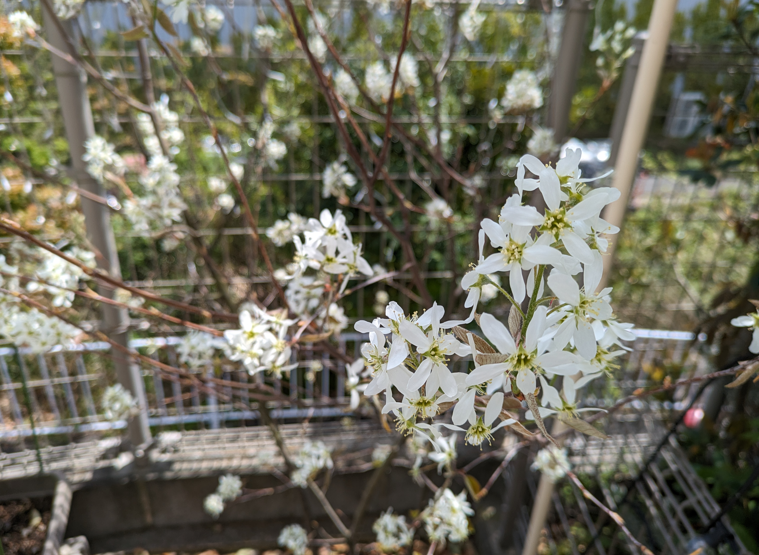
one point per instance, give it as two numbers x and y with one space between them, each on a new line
533 404
137 33
176 53
515 323
165 22
491 358
315 337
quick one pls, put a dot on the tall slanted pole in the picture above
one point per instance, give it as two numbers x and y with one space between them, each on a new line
638 116
77 118
567 67
633 135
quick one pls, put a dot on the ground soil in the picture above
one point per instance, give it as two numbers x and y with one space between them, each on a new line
18 537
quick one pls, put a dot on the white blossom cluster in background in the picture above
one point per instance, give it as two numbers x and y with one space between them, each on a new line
312 457
378 82
336 180
552 462
541 144
229 489
749 321
567 333
294 538
613 49
196 349
283 231
447 517
265 36
213 18
168 123
35 330
101 157
408 73
345 86
523 92
392 531
66 9
22 24
470 22
260 343
117 403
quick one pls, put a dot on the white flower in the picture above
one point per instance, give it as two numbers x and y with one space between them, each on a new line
217 185
336 179
274 151
22 24
213 505
523 92
318 47
541 144
265 36
230 487
445 452
480 427
525 360
380 454
180 10
438 209
581 307
199 46
118 403
392 531
378 82
552 462
354 371
213 18
749 321
345 86
237 170
435 347
294 538
446 517
226 202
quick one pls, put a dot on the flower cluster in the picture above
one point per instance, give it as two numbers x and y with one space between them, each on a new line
22 24
392 531
265 36
260 342
552 462
118 403
378 82
336 180
161 204
523 92
294 538
567 332
101 157
541 144
168 123
312 457
60 276
196 349
229 489
446 517
345 86
613 49
34 329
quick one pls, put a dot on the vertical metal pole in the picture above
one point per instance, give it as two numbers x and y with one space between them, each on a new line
638 115
625 95
567 67
77 118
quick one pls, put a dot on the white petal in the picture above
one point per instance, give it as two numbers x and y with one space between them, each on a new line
585 340
588 208
497 333
447 381
532 163
492 264
593 273
464 407
526 381
494 232
536 328
577 247
485 373
414 335
516 281
565 288
522 215
754 347
550 187
420 376
542 254
398 352
495 405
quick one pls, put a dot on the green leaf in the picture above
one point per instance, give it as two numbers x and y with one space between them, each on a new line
582 426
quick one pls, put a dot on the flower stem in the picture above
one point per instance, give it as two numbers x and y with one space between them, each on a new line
533 300
511 299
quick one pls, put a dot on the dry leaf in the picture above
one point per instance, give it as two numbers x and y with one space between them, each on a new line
533 404
582 426
480 344
515 323
315 337
742 378
511 402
